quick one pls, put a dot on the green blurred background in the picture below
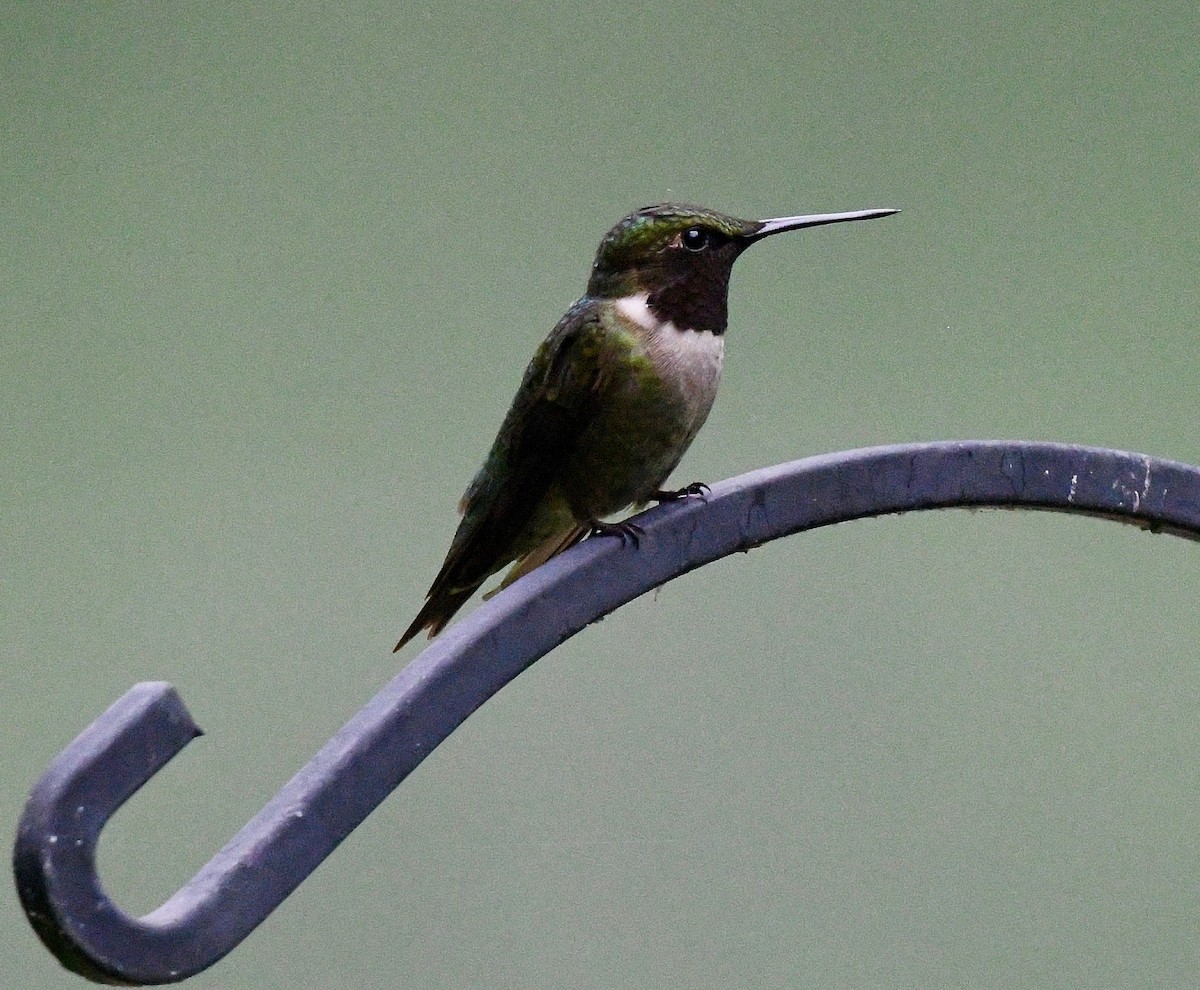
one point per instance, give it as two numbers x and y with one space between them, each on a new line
270 276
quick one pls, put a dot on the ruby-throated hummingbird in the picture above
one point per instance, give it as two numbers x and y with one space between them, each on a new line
610 401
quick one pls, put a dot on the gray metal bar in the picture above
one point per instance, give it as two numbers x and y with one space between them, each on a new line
54 857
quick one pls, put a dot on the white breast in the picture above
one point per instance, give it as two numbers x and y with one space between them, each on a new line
693 358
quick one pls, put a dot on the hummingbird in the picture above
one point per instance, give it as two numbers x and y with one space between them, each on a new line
610 402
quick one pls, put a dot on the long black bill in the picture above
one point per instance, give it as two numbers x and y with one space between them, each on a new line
780 224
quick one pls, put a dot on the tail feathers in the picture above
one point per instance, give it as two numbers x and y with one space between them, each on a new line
539 555
436 612
443 602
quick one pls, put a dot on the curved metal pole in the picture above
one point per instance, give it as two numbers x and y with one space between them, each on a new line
55 854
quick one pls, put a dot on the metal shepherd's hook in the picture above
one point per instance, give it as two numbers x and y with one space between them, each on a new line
55 854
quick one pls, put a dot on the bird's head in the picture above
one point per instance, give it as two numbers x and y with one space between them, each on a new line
681 257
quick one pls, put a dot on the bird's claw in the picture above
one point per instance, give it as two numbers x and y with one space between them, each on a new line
695 488
625 529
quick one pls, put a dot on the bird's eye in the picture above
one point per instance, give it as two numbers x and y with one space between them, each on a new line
695 238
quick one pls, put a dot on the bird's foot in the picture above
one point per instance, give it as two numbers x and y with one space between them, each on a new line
625 529
695 488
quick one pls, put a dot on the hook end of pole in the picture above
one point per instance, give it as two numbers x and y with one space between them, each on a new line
54 857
